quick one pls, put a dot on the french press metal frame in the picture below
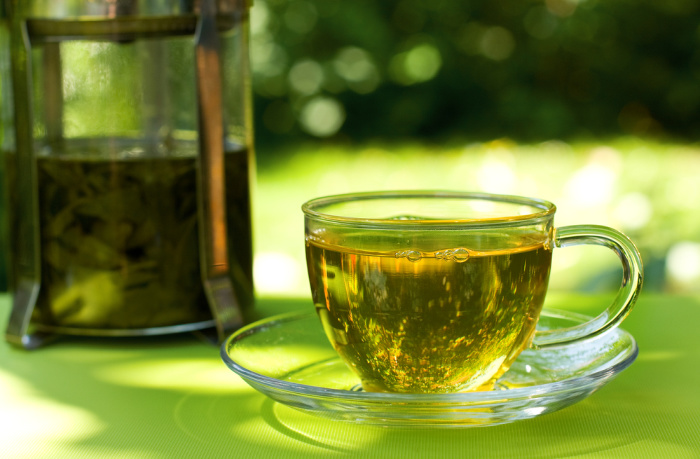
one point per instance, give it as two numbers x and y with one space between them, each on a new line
202 20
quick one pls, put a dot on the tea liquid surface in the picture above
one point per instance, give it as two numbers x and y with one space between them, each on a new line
432 324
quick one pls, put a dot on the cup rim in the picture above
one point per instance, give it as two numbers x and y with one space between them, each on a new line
547 208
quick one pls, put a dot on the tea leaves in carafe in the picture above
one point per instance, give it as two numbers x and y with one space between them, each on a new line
120 245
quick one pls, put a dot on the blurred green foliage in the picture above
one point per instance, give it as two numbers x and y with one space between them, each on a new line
526 69
459 74
646 189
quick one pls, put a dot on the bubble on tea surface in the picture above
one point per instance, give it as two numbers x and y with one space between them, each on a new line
411 255
407 217
459 255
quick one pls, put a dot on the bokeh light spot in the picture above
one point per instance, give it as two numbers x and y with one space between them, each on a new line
591 186
497 43
606 156
420 64
356 67
300 16
322 116
634 211
683 262
562 8
259 18
496 176
267 58
306 77
423 62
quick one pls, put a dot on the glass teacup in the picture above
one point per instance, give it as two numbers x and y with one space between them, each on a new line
434 292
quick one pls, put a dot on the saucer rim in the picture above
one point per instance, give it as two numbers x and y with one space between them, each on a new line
628 355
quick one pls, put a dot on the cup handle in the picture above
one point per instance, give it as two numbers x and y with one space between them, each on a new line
626 297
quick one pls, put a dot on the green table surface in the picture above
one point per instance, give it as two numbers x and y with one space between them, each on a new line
172 397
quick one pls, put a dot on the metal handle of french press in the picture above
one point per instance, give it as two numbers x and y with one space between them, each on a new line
214 255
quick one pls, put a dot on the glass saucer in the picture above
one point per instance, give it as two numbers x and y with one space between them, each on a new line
289 359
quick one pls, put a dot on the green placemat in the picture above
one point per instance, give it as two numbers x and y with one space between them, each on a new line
173 397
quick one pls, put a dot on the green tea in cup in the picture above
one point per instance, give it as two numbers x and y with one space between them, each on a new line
430 292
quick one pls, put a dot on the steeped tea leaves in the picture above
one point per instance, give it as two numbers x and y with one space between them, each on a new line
120 241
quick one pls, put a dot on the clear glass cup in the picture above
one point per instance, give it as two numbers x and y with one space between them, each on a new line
440 291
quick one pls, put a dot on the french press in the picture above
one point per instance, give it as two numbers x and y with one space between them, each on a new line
128 151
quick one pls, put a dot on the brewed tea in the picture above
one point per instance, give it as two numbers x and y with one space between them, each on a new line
412 321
